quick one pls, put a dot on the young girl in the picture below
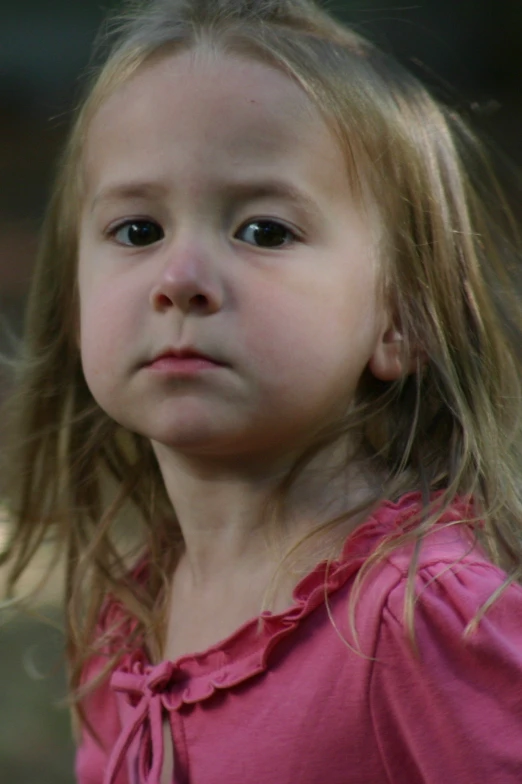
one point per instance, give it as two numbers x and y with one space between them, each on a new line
270 409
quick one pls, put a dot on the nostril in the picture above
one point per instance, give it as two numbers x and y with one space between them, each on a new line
163 301
184 297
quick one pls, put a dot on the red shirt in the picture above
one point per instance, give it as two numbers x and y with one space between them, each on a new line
298 702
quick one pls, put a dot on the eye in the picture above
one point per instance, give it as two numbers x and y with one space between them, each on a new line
266 234
138 233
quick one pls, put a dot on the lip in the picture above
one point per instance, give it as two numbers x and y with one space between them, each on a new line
183 361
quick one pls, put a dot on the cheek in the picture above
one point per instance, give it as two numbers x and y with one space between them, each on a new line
323 324
107 304
102 335
95 352
308 350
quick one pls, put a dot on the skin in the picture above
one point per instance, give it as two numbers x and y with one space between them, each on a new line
294 325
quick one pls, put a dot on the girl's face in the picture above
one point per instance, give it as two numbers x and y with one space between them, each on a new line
228 282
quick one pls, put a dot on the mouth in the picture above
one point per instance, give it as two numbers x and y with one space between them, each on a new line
183 354
182 361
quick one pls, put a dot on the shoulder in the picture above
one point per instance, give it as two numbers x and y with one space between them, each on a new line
453 582
453 576
452 704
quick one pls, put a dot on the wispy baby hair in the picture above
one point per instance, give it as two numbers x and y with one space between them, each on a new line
450 255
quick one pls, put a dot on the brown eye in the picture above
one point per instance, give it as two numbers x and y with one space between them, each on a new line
266 234
138 233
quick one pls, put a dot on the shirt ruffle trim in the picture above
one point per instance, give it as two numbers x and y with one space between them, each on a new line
245 654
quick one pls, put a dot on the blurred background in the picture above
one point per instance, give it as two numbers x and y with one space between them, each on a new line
468 51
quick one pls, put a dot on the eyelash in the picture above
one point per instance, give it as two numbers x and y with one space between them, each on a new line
127 224
141 222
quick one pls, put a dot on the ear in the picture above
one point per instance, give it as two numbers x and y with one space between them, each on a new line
389 361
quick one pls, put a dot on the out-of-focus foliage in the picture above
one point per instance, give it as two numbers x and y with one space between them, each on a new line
35 737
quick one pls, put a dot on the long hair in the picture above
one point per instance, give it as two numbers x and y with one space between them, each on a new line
450 255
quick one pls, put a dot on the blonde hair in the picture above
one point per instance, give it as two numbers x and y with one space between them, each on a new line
452 427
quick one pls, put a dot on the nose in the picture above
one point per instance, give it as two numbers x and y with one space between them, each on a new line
188 281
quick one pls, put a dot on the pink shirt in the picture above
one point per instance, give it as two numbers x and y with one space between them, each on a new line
295 704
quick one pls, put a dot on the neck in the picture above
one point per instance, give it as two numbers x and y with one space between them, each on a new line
222 511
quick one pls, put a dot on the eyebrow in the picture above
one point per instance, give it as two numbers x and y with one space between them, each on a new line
270 189
129 190
236 190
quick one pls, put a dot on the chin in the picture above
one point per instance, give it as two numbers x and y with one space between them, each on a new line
190 438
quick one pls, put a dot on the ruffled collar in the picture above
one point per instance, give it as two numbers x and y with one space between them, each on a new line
152 690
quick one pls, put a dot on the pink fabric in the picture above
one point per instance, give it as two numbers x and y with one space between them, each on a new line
296 703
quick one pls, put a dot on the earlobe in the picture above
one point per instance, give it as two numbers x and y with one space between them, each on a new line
389 361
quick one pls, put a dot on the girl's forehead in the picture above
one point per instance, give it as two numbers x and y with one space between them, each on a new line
224 112
210 84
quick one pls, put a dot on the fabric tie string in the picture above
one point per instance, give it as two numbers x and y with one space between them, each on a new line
147 718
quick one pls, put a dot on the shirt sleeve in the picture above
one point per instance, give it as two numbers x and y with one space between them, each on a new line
453 710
